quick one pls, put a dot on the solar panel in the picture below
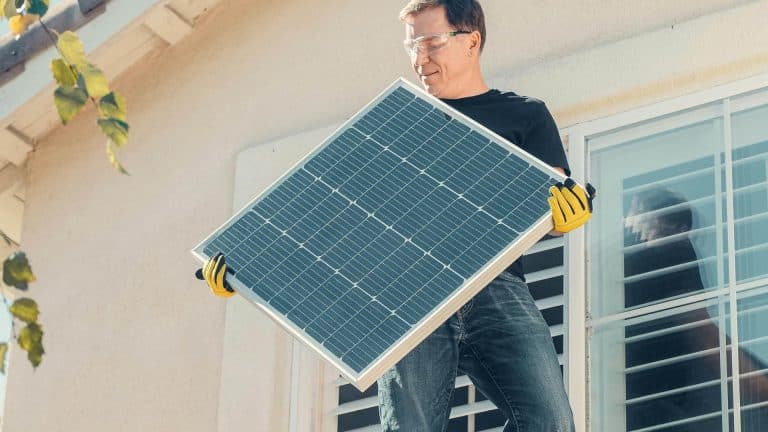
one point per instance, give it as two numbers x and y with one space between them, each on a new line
385 229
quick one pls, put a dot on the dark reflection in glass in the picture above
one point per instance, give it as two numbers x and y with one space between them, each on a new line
662 261
674 371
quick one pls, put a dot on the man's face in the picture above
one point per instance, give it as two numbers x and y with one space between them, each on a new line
446 70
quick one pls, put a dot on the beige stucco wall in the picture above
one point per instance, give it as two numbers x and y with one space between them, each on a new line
133 342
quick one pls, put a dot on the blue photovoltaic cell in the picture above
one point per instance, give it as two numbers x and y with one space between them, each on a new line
374 230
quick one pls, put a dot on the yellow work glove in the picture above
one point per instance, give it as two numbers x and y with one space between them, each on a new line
214 272
571 205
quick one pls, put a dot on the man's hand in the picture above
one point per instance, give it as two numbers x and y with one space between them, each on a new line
214 272
571 205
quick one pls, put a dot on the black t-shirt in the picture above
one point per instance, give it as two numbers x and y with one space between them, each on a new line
524 121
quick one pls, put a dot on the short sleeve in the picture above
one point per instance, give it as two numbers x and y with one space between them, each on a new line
543 138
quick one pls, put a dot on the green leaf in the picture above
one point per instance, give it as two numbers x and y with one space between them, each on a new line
113 105
9 8
31 340
69 101
62 74
113 159
3 352
115 129
17 271
25 309
38 7
35 355
93 80
30 335
72 49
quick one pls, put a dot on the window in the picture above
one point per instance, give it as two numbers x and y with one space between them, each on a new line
674 315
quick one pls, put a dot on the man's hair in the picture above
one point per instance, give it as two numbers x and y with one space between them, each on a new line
462 14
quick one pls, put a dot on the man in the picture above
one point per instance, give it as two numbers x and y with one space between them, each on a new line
499 338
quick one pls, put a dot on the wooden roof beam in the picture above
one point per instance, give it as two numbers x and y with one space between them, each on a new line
168 24
14 145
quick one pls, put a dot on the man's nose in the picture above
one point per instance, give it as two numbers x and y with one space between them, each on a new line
420 58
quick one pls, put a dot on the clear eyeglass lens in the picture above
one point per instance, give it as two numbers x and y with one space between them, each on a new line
428 44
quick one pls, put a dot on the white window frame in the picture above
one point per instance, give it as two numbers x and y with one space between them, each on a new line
577 284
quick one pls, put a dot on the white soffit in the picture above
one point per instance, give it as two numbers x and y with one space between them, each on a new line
115 39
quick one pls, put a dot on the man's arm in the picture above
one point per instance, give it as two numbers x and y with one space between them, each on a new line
570 203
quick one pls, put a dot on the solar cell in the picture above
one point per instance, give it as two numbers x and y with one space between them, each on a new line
391 224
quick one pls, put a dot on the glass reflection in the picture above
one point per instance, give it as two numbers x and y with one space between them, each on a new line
673 363
662 262
753 360
688 359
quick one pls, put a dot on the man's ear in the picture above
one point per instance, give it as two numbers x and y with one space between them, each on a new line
475 40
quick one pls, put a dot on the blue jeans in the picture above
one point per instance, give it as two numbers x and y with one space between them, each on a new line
501 341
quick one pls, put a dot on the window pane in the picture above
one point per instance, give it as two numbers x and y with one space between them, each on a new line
753 359
661 372
653 234
750 161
